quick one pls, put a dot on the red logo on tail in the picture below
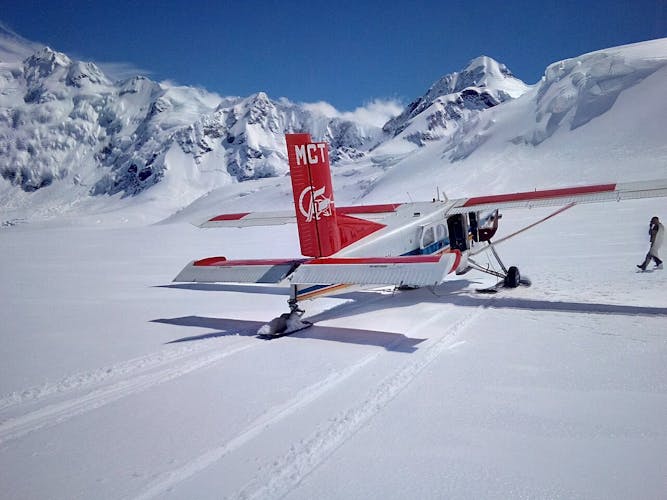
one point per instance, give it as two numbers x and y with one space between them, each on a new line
313 204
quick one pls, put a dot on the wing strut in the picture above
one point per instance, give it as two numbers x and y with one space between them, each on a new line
530 226
511 277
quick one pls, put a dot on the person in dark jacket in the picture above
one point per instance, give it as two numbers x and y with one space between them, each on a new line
656 234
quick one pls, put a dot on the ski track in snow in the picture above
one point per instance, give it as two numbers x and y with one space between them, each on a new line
82 380
303 458
263 423
182 361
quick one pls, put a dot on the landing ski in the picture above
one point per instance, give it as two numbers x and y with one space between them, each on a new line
524 281
491 289
283 325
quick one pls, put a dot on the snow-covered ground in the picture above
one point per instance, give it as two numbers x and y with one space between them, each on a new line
116 383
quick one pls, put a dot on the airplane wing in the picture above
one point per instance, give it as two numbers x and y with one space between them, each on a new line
419 270
221 270
563 196
247 219
526 199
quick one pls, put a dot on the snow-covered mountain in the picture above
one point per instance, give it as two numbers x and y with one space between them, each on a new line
598 117
65 125
453 102
64 121
247 135
71 137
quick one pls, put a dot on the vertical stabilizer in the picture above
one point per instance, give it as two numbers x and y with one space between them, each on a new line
319 235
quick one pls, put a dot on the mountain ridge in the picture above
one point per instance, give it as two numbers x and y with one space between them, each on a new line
69 135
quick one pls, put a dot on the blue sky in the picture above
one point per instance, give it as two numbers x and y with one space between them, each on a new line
347 53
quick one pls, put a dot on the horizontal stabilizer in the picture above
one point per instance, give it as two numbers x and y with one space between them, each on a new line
221 270
247 219
422 270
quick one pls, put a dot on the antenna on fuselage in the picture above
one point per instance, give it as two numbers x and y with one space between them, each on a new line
439 198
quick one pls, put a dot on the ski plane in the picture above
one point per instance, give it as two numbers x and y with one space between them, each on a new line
408 245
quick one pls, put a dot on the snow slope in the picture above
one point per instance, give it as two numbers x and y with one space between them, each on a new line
116 383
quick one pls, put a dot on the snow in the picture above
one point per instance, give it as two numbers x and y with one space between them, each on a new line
116 383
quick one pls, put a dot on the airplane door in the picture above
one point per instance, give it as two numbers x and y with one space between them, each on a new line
458 232
472 218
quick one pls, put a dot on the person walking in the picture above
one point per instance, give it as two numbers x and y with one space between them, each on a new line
656 234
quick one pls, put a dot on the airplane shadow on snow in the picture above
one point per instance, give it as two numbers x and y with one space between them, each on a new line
224 327
454 292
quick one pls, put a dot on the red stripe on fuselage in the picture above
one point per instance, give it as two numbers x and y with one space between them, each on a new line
539 195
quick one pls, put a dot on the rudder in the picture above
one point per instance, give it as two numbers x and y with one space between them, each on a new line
312 189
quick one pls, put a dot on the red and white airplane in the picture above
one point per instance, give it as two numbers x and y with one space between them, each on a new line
405 245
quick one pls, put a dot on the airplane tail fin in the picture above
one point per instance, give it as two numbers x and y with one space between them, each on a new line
319 234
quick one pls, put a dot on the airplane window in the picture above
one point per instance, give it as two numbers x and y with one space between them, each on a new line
427 237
